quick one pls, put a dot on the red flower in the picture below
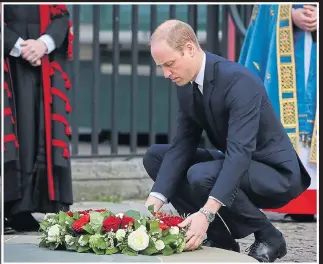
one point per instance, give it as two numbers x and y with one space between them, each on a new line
111 223
78 224
126 220
70 213
163 226
172 220
85 212
159 214
101 210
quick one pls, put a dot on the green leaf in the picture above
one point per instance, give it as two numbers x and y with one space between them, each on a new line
167 251
88 229
137 224
132 213
155 230
149 251
111 251
53 246
43 225
62 217
86 238
151 208
153 224
98 251
71 248
81 249
129 251
42 243
101 244
76 215
144 222
96 220
106 214
170 239
166 233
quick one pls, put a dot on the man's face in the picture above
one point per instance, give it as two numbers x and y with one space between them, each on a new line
177 66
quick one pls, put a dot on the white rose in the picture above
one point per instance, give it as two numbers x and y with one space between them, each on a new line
159 244
138 240
69 240
120 234
174 230
53 233
82 242
120 215
142 228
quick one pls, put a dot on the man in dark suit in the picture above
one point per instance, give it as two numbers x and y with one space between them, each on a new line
253 166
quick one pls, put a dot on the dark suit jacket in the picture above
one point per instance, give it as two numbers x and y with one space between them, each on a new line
242 124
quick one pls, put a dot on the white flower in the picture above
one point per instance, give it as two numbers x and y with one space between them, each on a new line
49 215
53 233
82 242
120 215
142 228
159 244
69 240
138 240
120 234
174 230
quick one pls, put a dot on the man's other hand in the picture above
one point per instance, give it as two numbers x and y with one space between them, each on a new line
151 200
198 225
33 50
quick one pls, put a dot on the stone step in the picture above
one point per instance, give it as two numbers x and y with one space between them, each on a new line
109 177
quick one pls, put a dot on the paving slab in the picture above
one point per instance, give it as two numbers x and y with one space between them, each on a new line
24 248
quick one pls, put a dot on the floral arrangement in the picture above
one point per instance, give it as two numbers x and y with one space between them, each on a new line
102 232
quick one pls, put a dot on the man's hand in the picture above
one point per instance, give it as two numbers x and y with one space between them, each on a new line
33 50
198 226
151 200
304 19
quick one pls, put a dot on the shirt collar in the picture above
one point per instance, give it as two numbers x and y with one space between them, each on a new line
200 77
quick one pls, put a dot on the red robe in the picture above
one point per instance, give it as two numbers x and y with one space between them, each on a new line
49 68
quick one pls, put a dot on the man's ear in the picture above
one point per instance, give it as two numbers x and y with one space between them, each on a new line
190 48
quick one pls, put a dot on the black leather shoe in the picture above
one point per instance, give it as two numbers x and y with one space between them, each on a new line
264 252
232 247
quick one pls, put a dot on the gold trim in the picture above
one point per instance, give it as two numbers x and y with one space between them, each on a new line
313 152
287 74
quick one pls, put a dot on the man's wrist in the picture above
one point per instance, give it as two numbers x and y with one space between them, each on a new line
212 205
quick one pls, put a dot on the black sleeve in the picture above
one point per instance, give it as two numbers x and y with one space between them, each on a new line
58 29
10 38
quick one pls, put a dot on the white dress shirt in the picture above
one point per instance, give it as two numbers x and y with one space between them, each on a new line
47 39
199 80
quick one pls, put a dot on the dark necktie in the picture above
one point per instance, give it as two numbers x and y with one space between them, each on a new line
199 105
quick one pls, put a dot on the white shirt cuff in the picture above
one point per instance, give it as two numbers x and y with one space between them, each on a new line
16 50
49 42
159 196
211 197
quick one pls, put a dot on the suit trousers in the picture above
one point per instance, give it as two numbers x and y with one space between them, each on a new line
242 218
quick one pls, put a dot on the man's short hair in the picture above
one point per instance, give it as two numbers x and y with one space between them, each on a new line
176 33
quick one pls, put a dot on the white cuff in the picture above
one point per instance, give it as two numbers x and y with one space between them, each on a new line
49 42
159 196
16 50
211 197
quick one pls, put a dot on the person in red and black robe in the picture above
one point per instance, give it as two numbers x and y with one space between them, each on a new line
37 168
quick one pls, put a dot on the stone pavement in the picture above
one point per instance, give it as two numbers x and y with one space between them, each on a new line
301 241
24 247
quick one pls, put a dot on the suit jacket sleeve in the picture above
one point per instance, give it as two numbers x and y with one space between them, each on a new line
58 29
243 100
10 38
178 157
